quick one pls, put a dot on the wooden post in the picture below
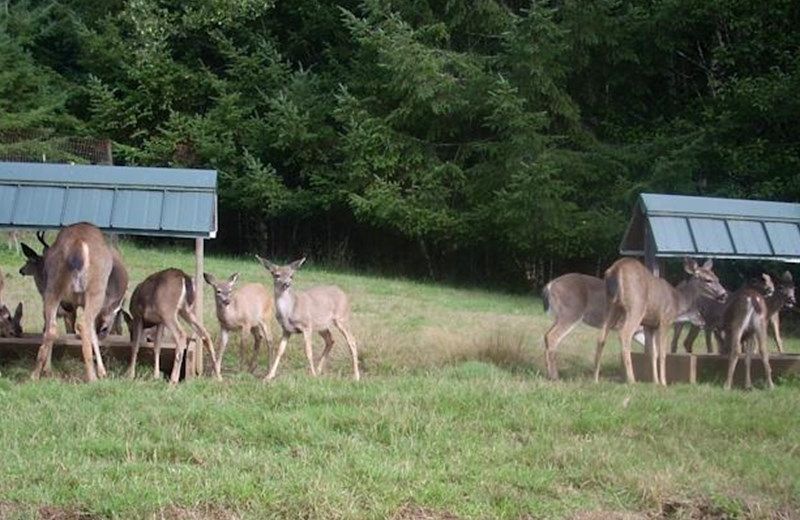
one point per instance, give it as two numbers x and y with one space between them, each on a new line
198 303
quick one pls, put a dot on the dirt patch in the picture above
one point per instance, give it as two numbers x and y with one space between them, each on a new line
415 512
58 513
207 512
608 515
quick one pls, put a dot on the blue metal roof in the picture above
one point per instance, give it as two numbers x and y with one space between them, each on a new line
117 199
680 225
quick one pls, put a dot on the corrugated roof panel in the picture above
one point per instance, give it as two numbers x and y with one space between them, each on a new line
88 205
137 209
7 195
187 211
785 238
40 205
710 236
749 237
689 205
671 234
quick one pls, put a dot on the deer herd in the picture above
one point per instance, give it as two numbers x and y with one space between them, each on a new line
82 270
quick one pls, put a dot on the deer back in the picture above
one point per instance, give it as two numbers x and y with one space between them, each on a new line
575 296
251 303
317 307
158 297
78 263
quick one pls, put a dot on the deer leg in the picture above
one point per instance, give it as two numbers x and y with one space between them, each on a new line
709 334
611 317
89 344
180 347
688 343
678 327
351 342
50 333
775 321
662 353
205 338
761 337
70 318
328 338
735 346
309 351
281 348
137 341
242 348
222 345
255 331
552 339
267 339
157 341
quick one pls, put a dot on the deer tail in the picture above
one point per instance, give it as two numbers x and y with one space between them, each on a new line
78 263
188 284
612 286
546 298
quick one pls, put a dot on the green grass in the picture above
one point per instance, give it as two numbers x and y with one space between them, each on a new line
452 417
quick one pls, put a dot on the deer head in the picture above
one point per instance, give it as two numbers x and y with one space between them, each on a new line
704 279
785 289
222 289
34 263
10 326
282 275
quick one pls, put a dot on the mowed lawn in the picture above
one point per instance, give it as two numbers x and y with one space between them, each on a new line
453 419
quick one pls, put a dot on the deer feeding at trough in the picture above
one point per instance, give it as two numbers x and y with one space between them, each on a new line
106 322
158 301
570 299
304 312
77 267
10 325
637 298
745 319
247 309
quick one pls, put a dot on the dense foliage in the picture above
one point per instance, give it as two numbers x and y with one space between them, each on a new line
457 139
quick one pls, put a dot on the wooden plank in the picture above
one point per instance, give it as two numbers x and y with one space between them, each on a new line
690 368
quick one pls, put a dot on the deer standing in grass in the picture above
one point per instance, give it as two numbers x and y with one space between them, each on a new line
248 309
304 312
115 291
638 298
159 300
745 318
77 268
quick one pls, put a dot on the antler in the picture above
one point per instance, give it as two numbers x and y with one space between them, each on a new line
40 236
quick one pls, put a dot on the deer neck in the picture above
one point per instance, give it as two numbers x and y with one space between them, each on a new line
685 297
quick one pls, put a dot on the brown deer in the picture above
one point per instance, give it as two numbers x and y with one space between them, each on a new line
248 309
76 271
158 301
711 312
745 319
115 291
783 296
303 312
10 325
638 298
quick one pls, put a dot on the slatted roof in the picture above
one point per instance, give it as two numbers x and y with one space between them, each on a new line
714 227
117 199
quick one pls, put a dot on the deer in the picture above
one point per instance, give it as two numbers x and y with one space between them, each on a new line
158 301
10 325
248 309
783 296
304 312
745 319
115 291
76 270
636 298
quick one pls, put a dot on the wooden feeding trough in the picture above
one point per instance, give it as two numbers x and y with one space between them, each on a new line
664 226
165 202
708 368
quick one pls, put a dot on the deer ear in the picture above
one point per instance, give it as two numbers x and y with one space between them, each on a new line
18 313
232 279
297 263
209 278
689 265
786 277
29 253
267 264
709 264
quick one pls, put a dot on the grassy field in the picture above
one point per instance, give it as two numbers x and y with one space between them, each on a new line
453 419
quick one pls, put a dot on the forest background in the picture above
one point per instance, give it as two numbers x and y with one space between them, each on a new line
459 140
